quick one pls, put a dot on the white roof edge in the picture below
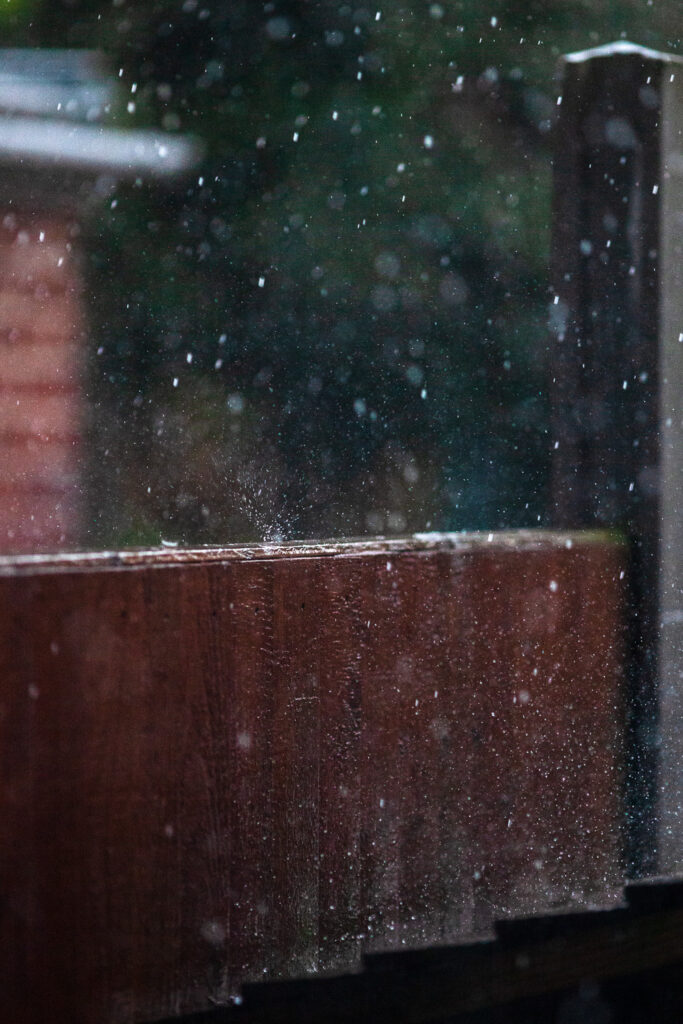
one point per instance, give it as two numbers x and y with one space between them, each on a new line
122 153
622 47
85 103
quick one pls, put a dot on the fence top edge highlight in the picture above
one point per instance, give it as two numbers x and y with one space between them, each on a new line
167 555
621 48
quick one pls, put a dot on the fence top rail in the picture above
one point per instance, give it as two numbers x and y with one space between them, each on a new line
621 48
167 554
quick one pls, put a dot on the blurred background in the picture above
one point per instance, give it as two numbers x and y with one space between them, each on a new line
336 325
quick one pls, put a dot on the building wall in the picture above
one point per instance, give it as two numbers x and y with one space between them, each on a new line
41 402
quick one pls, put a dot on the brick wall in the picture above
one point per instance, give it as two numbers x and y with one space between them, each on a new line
41 334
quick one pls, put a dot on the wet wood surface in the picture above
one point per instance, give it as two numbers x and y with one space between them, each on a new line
620 966
259 763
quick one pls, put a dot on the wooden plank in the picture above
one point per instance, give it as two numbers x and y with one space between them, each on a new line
196 745
340 805
452 653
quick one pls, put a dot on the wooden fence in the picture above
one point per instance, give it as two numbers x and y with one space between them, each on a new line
621 965
227 766
231 765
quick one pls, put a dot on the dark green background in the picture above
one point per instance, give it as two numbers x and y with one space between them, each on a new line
389 375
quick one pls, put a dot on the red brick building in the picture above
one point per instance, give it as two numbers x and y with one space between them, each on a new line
56 158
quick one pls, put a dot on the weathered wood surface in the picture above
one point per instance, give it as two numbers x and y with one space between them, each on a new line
260 763
622 966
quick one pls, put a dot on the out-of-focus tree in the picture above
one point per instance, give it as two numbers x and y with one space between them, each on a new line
339 326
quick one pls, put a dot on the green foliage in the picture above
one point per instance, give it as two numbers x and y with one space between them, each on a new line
360 266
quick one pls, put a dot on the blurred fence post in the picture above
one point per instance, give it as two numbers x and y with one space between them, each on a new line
617 388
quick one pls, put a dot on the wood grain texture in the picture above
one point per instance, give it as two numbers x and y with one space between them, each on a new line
262 764
621 965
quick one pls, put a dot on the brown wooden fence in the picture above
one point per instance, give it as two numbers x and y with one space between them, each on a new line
226 766
622 965
249 763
